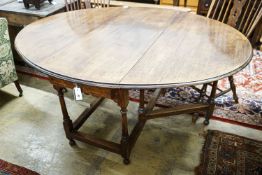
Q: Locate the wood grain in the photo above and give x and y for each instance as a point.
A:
(134, 48)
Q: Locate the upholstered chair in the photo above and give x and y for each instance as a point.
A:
(7, 68)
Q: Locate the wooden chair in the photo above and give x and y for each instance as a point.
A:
(100, 3)
(245, 16)
(72, 5)
(7, 67)
(83, 4)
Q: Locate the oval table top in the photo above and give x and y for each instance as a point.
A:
(133, 48)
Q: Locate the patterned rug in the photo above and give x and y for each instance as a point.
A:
(230, 154)
(7, 168)
(248, 112)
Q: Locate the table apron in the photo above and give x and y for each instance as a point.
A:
(88, 90)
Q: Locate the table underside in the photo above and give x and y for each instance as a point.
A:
(121, 98)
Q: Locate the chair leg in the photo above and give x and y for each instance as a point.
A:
(211, 102)
(18, 87)
(233, 88)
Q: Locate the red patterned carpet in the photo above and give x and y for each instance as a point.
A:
(249, 90)
(248, 112)
(7, 168)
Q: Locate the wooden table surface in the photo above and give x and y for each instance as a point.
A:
(133, 48)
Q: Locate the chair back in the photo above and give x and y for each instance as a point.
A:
(244, 15)
(77, 4)
(100, 3)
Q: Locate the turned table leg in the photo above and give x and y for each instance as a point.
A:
(67, 122)
(123, 102)
(211, 102)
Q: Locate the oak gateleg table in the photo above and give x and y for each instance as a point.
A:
(106, 52)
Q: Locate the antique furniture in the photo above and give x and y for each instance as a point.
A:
(77, 4)
(7, 68)
(244, 15)
(109, 51)
(203, 6)
(100, 3)
(17, 16)
(36, 3)
(82, 4)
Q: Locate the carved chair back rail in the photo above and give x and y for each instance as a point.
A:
(77, 4)
(100, 3)
(83, 4)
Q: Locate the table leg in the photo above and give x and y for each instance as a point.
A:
(140, 124)
(211, 102)
(233, 88)
(141, 108)
(121, 97)
(202, 93)
(123, 102)
(67, 122)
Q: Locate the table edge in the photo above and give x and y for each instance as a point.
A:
(133, 86)
(137, 86)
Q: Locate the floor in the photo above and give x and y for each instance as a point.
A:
(32, 135)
